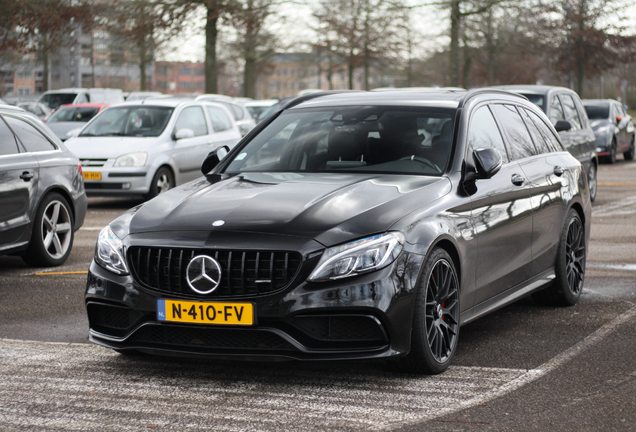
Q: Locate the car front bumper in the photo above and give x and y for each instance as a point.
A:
(369, 316)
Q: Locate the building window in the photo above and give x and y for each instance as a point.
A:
(199, 71)
(25, 75)
(184, 85)
(162, 85)
(185, 71)
(23, 91)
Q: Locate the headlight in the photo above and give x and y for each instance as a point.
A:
(358, 257)
(109, 252)
(132, 160)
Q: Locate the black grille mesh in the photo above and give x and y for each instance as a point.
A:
(340, 328)
(209, 338)
(112, 317)
(244, 273)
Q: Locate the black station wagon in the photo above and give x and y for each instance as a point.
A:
(350, 225)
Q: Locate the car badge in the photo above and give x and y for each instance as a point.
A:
(203, 274)
(218, 223)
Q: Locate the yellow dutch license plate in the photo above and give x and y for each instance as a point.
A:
(92, 175)
(205, 312)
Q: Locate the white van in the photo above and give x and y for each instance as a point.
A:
(56, 98)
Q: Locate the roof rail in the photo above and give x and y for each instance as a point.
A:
(300, 99)
(476, 92)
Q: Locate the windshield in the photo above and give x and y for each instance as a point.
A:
(351, 139)
(70, 114)
(597, 112)
(130, 121)
(56, 100)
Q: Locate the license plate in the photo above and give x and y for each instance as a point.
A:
(92, 175)
(205, 312)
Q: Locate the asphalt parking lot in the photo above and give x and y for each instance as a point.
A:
(525, 367)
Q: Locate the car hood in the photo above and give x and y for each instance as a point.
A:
(108, 147)
(327, 208)
(60, 129)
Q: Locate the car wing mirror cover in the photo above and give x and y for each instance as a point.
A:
(213, 158)
(562, 126)
(488, 161)
(184, 133)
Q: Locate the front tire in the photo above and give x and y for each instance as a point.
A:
(162, 181)
(52, 238)
(592, 181)
(612, 153)
(569, 267)
(435, 329)
(629, 154)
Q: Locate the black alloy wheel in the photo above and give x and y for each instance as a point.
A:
(436, 317)
(52, 238)
(612, 153)
(570, 266)
(629, 154)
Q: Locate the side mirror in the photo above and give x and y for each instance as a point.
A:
(213, 158)
(73, 133)
(563, 126)
(488, 162)
(183, 133)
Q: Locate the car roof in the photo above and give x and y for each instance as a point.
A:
(599, 101)
(11, 109)
(533, 89)
(171, 102)
(86, 105)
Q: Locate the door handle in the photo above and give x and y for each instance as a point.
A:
(558, 171)
(26, 176)
(517, 180)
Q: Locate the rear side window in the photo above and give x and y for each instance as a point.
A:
(521, 145)
(571, 114)
(539, 141)
(546, 132)
(31, 138)
(556, 110)
(192, 118)
(8, 144)
(220, 120)
(483, 133)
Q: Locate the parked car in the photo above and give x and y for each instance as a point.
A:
(613, 128)
(145, 148)
(566, 113)
(141, 95)
(69, 118)
(340, 231)
(257, 107)
(42, 193)
(40, 110)
(241, 115)
(73, 96)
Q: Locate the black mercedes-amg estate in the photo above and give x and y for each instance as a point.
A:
(350, 225)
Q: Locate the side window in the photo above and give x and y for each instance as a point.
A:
(546, 132)
(483, 132)
(521, 145)
(571, 114)
(539, 141)
(192, 118)
(31, 138)
(220, 120)
(556, 111)
(8, 144)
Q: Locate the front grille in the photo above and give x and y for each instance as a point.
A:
(208, 338)
(93, 162)
(243, 273)
(89, 185)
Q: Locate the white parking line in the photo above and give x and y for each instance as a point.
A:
(625, 206)
(85, 387)
(611, 266)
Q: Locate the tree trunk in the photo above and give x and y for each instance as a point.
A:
(453, 65)
(211, 33)
(45, 72)
(142, 66)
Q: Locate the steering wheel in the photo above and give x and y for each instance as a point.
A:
(424, 161)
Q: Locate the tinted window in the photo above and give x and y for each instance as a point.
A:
(483, 133)
(538, 139)
(192, 118)
(220, 120)
(546, 132)
(370, 139)
(8, 144)
(571, 114)
(556, 111)
(31, 138)
(536, 99)
(55, 100)
(597, 112)
(519, 140)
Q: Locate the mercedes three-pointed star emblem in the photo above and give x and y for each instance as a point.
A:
(203, 274)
